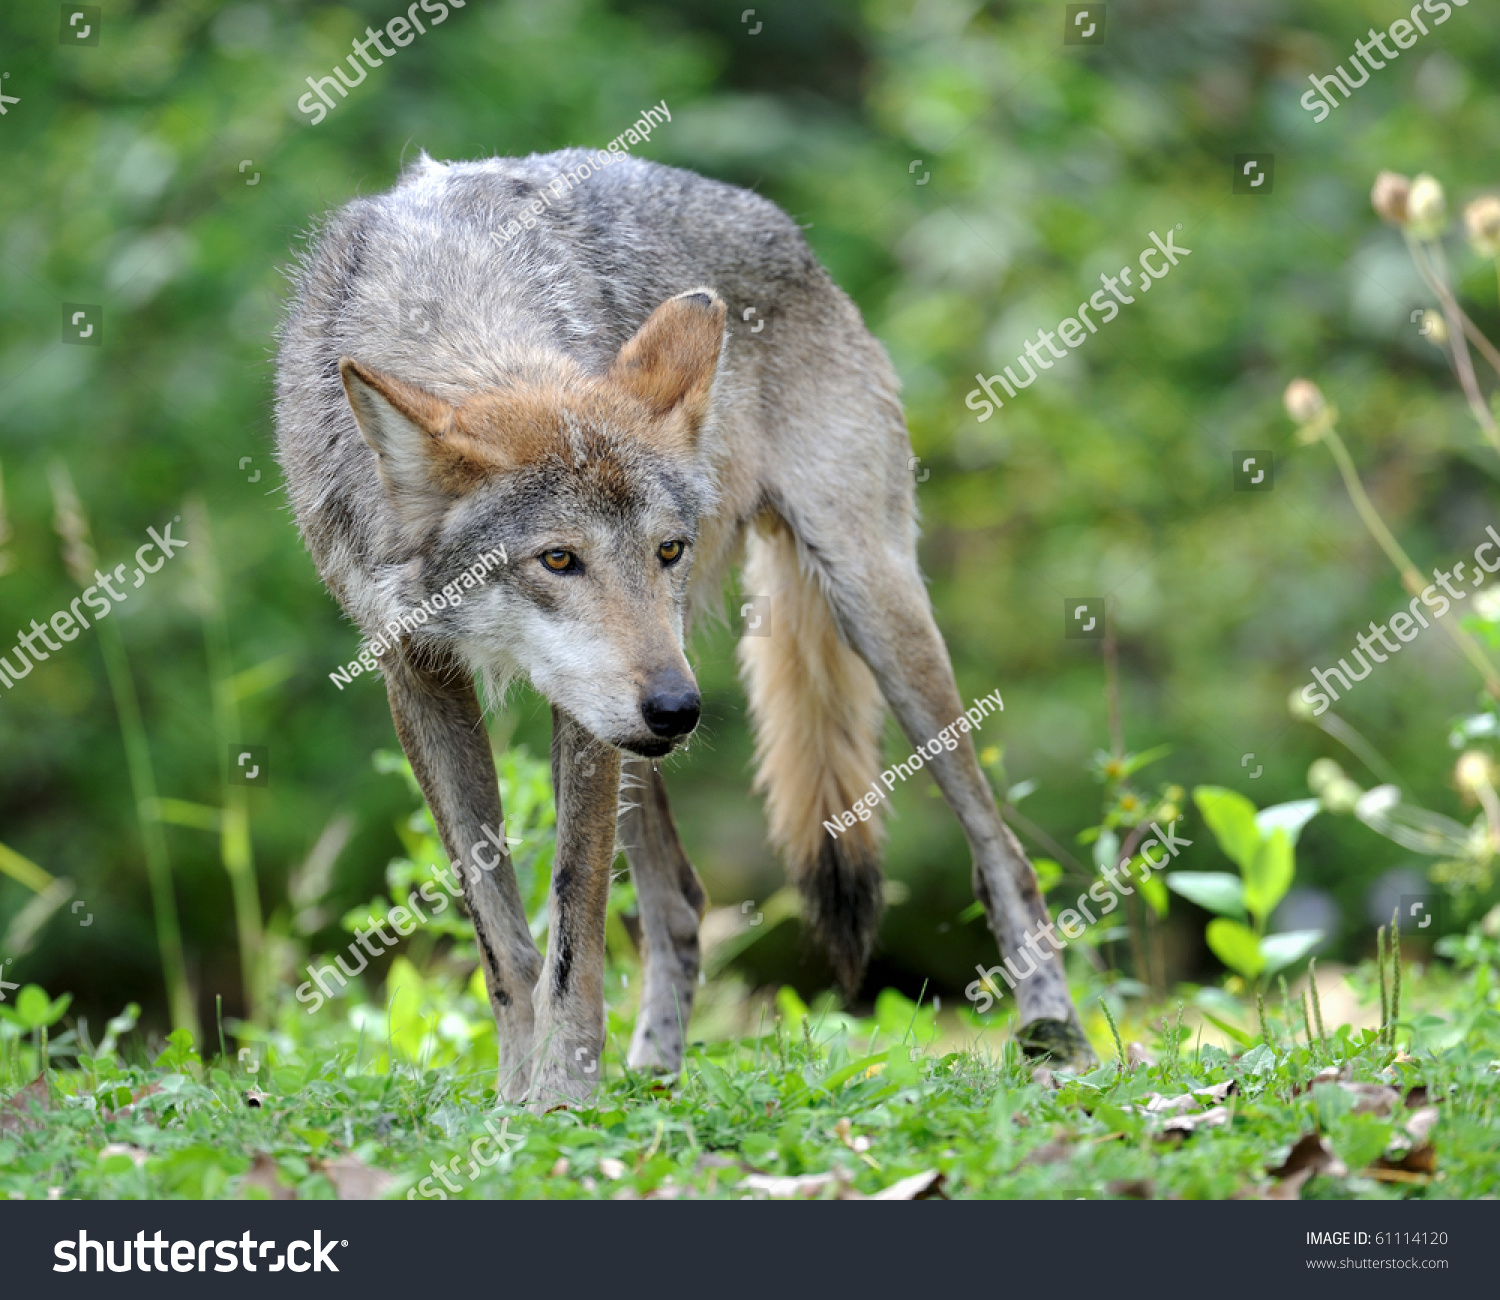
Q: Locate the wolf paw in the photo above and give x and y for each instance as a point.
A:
(1061, 1040)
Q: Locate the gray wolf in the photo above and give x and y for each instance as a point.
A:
(572, 395)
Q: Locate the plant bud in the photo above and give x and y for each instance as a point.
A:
(1389, 197)
(1491, 923)
(1303, 400)
(1482, 218)
(1341, 796)
(1474, 771)
(1323, 773)
(1487, 604)
(1426, 208)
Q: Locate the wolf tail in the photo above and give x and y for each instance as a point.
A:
(818, 714)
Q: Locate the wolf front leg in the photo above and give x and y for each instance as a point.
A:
(671, 901)
(570, 997)
(441, 728)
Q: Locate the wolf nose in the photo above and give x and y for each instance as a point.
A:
(672, 713)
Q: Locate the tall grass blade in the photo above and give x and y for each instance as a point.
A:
(79, 557)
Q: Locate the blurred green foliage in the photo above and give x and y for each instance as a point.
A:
(967, 178)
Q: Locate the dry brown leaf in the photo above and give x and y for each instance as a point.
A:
(1371, 1098)
(1135, 1189)
(1384, 1174)
(263, 1175)
(354, 1180)
(1156, 1104)
(1412, 1156)
(1421, 1122)
(1312, 1153)
(16, 1114)
(1420, 1159)
(919, 1187)
(1288, 1188)
(795, 1187)
(135, 1098)
(1210, 1118)
(1050, 1152)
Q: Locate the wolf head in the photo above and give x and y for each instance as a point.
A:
(591, 486)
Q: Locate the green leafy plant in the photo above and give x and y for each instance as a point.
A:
(1261, 844)
(530, 832)
(33, 1013)
(435, 1009)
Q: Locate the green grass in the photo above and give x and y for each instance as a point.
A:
(869, 1101)
(362, 1096)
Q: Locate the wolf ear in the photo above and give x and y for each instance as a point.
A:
(670, 363)
(406, 426)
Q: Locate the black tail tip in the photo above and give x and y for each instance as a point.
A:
(841, 906)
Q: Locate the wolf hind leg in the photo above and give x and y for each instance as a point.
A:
(441, 728)
(881, 603)
(672, 901)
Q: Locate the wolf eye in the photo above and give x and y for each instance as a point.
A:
(670, 552)
(559, 561)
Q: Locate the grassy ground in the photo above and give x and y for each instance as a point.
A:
(809, 1105)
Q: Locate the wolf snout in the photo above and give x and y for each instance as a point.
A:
(671, 708)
